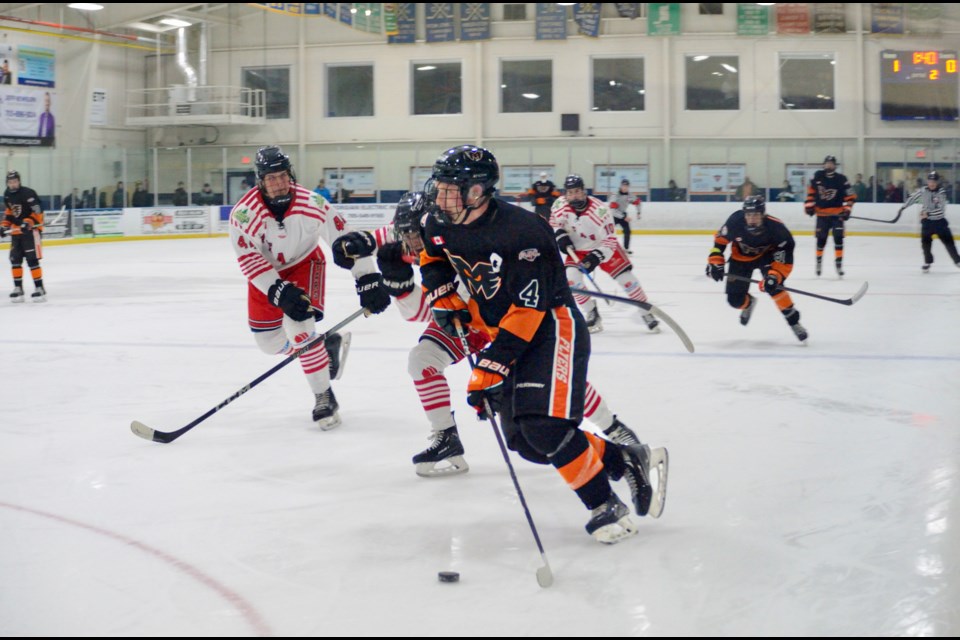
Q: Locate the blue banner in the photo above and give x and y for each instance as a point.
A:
(628, 9)
(551, 21)
(587, 17)
(474, 20)
(313, 9)
(406, 24)
(345, 16)
(330, 9)
(439, 22)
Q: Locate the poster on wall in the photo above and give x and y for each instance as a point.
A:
(98, 107)
(175, 220)
(360, 182)
(26, 117)
(607, 178)
(419, 177)
(516, 180)
(35, 67)
(716, 179)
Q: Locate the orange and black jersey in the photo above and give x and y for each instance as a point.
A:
(509, 260)
(22, 206)
(543, 193)
(773, 245)
(830, 195)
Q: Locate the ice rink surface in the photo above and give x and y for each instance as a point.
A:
(813, 490)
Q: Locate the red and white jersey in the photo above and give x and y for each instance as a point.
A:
(264, 248)
(589, 229)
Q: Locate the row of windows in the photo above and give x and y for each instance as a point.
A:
(526, 86)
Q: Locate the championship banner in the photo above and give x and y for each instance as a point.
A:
(439, 22)
(312, 9)
(551, 21)
(752, 19)
(587, 17)
(345, 16)
(886, 17)
(406, 32)
(829, 17)
(663, 19)
(925, 18)
(390, 18)
(793, 18)
(474, 20)
(26, 117)
(330, 9)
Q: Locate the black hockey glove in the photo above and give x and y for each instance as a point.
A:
(3, 232)
(291, 298)
(397, 273)
(348, 247)
(809, 209)
(772, 283)
(591, 261)
(447, 305)
(373, 297)
(486, 383)
(715, 271)
(845, 214)
(564, 242)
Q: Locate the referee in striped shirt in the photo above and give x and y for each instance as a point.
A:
(933, 221)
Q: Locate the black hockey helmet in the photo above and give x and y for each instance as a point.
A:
(755, 204)
(625, 182)
(13, 175)
(271, 160)
(933, 175)
(465, 166)
(832, 159)
(573, 181)
(408, 220)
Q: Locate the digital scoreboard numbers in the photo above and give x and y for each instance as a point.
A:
(919, 85)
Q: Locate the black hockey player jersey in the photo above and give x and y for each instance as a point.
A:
(829, 195)
(772, 245)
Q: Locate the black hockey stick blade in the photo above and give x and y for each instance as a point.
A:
(899, 213)
(844, 301)
(583, 270)
(646, 306)
(147, 433)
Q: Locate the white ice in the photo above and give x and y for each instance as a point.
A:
(814, 490)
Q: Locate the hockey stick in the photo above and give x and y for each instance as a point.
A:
(847, 301)
(576, 260)
(899, 213)
(147, 433)
(646, 306)
(544, 574)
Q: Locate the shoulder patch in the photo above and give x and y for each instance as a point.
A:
(529, 254)
(242, 215)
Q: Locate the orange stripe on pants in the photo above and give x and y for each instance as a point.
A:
(582, 470)
(561, 384)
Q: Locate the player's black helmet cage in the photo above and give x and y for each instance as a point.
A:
(272, 159)
(13, 175)
(465, 166)
(933, 175)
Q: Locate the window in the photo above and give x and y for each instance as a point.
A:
(526, 86)
(618, 84)
(807, 81)
(514, 12)
(711, 8)
(275, 81)
(436, 88)
(349, 91)
(713, 83)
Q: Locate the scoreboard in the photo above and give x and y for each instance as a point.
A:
(919, 85)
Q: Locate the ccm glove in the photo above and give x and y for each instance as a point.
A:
(373, 296)
(773, 283)
(715, 265)
(291, 298)
(486, 383)
(591, 261)
(350, 246)
(397, 272)
(446, 305)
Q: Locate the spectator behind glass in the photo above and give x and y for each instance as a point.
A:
(674, 193)
(860, 189)
(786, 194)
(322, 190)
(745, 190)
(119, 197)
(180, 196)
(206, 195)
(73, 201)
(140, 196)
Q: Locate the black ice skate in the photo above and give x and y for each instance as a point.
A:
(748, 311)
(610, 522)
(325, 410)
(839, 263)
(819, 265)
(445, 448)
(800, 332)
(338, 346)
(640, 463)
(39, 294)
(17, 295)
(621, 433)
(594, 324)
(926, 268)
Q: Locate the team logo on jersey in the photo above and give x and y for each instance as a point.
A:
(482, 277)
(242, 216)
(749, 250)
(529, 254)
(826, 194)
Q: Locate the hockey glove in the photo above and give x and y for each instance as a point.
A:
(446, 305)
(291, 298)
(3, 232)
(373, 296)
(486, 383)
(845, 214)
(348, 247)
(397, 273)
(591, 261)
(773, 283)
(564, 242)
(715, 265)
(809, 209)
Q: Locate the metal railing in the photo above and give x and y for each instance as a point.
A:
(181, 104)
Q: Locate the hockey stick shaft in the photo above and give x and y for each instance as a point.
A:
(147, 433)
(844, 301)
(573, 256)
(897, 217)
(646, 306)
(544, 573)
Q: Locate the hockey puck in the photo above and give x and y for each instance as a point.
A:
(448, 576)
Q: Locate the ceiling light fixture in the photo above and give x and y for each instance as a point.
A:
(85, 6)
(175, 22)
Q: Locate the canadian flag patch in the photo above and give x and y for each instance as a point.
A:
(437, 240)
